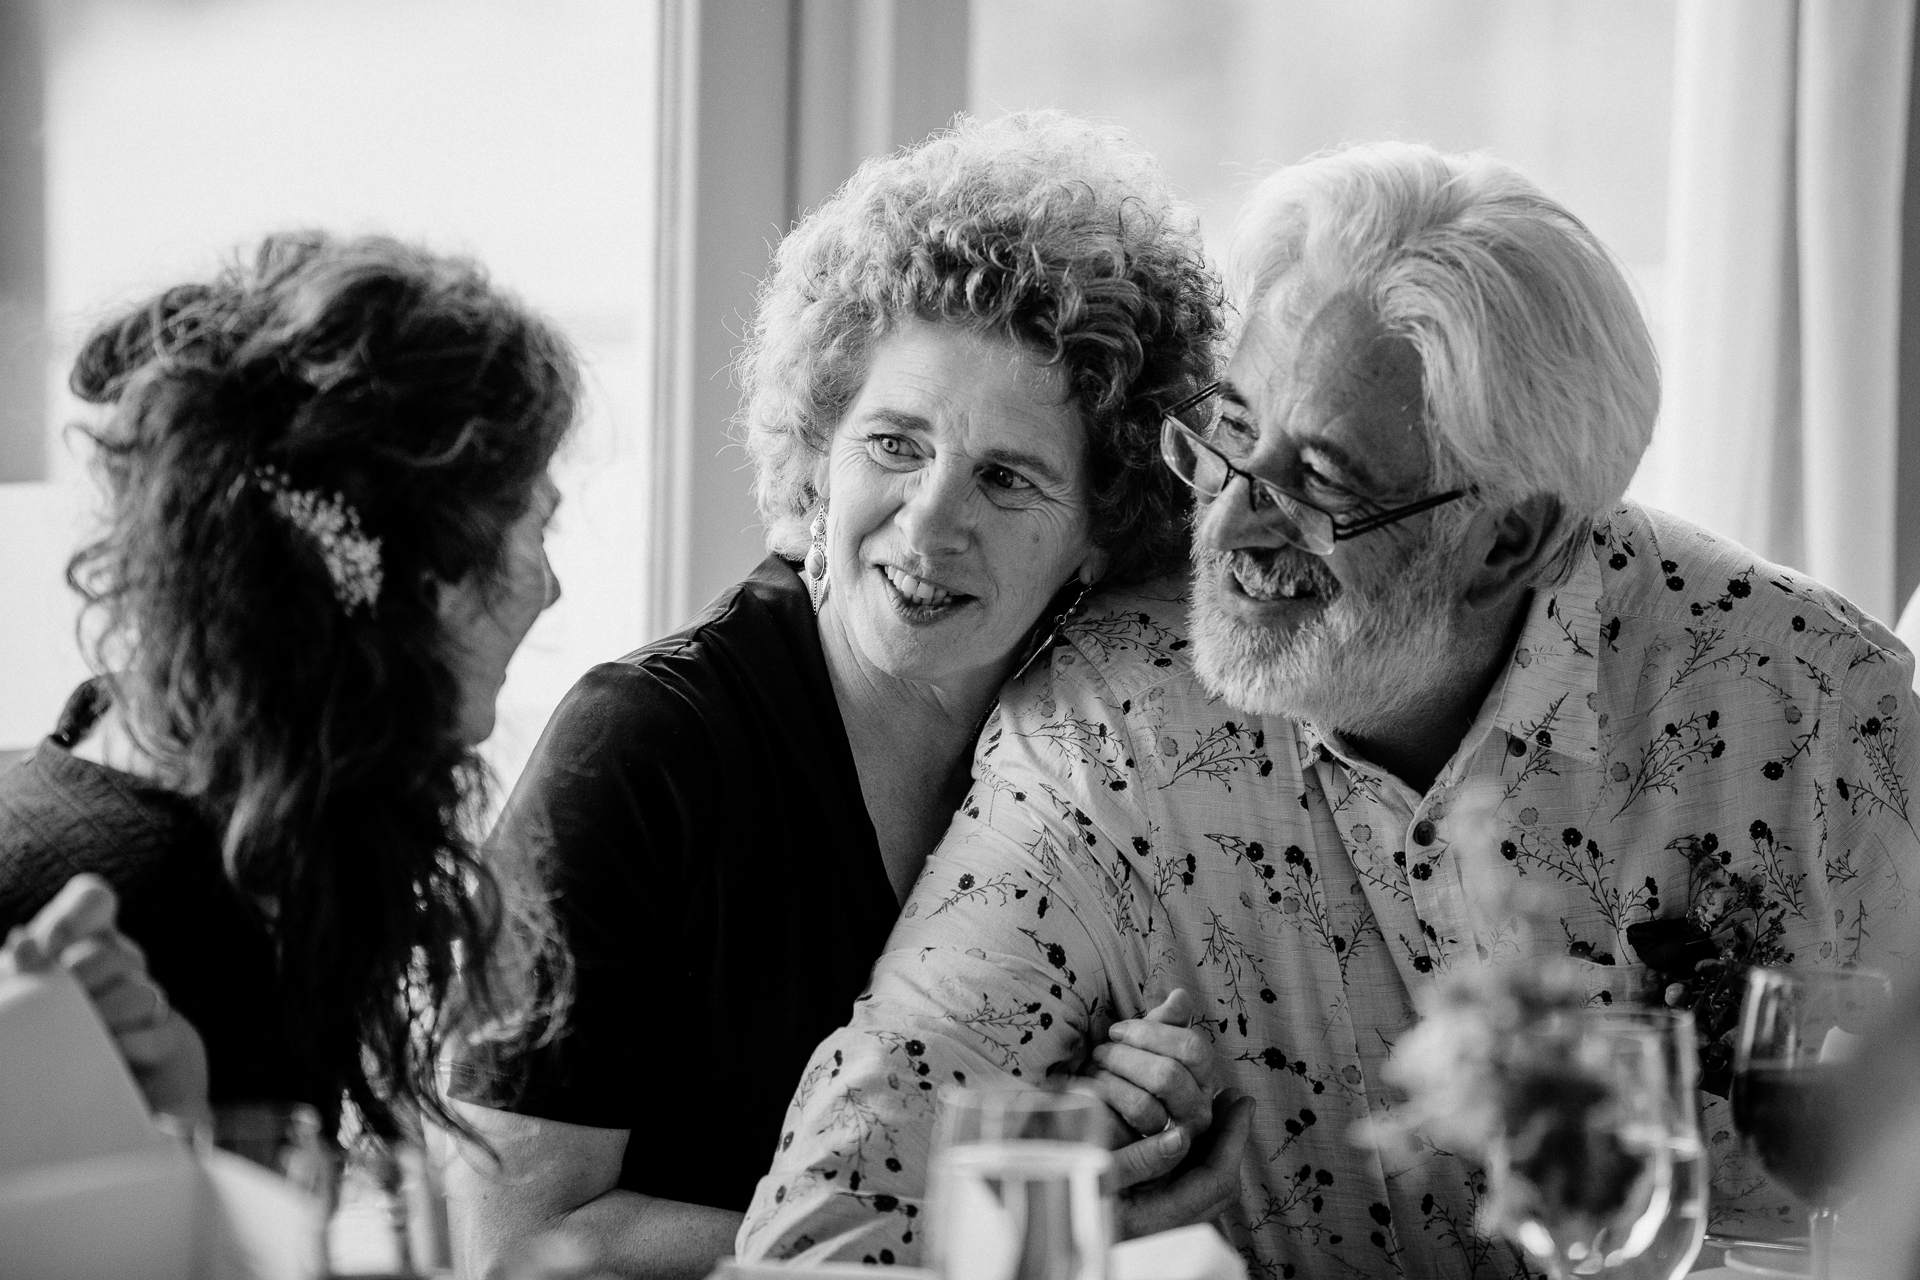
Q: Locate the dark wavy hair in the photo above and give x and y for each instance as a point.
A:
(319, 739)
(1038, 227)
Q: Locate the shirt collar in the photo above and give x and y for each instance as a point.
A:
(1553, 671)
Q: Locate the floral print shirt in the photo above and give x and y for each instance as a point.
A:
(1128, 834)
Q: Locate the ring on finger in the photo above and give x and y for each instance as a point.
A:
(159, 1013)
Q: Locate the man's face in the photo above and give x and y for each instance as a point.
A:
(1322, 401)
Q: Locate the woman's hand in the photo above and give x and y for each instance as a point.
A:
(76, 931)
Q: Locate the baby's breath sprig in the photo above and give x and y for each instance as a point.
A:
(333, 526)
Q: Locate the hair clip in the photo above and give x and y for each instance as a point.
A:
(352, 558)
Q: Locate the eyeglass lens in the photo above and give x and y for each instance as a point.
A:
(1207, 472)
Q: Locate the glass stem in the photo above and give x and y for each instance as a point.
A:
(1820, 1243)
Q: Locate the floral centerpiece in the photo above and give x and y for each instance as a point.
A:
(1501, 1069)
(1699, 960)
(1512, 1066)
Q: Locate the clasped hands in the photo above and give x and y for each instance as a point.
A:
(1177, 1137)
(1177, 1134)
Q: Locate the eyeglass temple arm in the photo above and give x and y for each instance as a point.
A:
(1368, 524)
(1211, 389)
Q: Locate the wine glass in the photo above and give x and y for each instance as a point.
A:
(1799, 1031)
(1583, 1167)
(1020, 1185)
(1676, 1242)
(286, 1137)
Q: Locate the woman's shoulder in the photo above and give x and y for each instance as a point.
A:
(1128, 638)
(750, 657)
(60, 815)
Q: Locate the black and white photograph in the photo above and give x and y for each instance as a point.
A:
(967, 639)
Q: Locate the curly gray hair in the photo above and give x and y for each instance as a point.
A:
(1038, 227)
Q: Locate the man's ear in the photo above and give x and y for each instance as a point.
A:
(1520, 537)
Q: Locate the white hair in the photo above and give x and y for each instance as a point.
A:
(1539, 373)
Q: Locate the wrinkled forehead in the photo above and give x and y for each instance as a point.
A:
(1307, 340)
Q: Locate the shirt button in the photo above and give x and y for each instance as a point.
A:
(1423, 833)
(1516, 746)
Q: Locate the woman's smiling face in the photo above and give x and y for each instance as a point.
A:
(958, 503)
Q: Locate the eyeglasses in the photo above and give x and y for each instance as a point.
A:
(1207, 471)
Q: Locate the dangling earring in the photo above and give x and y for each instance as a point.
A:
(1047, 633)
(816, 562)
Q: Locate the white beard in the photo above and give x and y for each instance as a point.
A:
(1361, 665)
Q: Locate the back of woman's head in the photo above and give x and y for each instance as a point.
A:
(301, 455)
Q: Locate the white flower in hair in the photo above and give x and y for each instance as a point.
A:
(352, 558)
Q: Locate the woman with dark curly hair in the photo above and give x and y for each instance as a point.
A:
(327, 491)
(953, 393)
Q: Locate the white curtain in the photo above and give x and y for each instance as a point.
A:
(1783, 251)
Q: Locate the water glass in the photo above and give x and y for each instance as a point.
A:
(1020, 1186)
(1676, 1242)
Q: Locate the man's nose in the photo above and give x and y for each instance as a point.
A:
(935, 518)
(1228, 522)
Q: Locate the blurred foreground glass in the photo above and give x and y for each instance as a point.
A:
(1799, 1033)
(1020, 1186)
(389, 1216)
(282, 1136)
(383, 1210)
(1676, 1242)
(1584, 1168)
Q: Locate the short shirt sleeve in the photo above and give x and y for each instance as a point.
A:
(602, 824)
(1005, 965)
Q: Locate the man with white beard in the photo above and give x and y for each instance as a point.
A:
(1429, 646)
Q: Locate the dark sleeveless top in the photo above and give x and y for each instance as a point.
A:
(695, 811)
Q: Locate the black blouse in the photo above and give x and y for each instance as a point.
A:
(696, 814)
(206, 946)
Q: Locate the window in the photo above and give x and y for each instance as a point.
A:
(175, 132)
(1577, 95)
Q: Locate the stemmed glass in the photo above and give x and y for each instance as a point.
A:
(1676, 1242)
(1583, 1169)
(1799, 1030)
(1020, 1186)
(378, 1204)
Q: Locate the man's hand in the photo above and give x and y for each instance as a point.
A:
(76, 931)
(1199, 1192)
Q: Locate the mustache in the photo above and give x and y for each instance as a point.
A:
(1264, 569)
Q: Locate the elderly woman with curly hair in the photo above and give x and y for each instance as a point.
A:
(953, 396)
